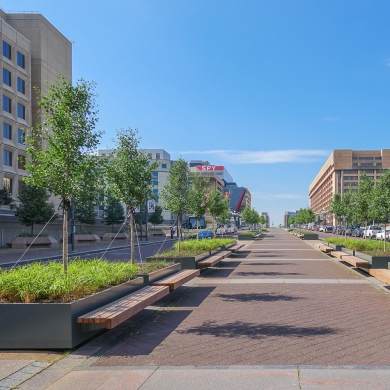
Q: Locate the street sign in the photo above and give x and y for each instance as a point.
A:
(137, 209)
(151, 206)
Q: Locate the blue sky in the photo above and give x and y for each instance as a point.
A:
(267, 88)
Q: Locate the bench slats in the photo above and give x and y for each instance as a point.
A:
(326, 249)
(178, 279)
(235, 248)
(339, 254)
(211, 261)
(356, 262)
(120, 310)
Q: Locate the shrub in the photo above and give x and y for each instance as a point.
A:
(370, 247)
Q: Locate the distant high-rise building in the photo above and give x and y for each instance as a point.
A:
(286, 217)
(266, 216)
(34, 52)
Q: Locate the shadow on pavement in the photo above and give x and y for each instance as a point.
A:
(261, 264)
(257, 297)
(253, 273)
(256, 331)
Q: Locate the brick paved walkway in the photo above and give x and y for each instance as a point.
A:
(279, 314)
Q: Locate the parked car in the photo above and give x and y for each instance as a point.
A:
(358, 232)
(350, 230)
(372, 230)
(381, 235)
(328, 229)
(205, 234)
(322, 228)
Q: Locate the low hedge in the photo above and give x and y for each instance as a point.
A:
(370, 247)
(308, 233)
(47, 282)
(249, 233)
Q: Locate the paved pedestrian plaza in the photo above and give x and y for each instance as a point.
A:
(279, 314)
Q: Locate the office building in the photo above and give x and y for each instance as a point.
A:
(266, 216)
(239, 197)
(34, 52)
(286, 217)
(340, 173)
(219, 170)
(159, 178)
(215, 182)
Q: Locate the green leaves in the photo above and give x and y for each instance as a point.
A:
(198, 195)
(5, 197)
(251, 216)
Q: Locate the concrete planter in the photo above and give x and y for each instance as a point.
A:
(189, 262)
(160, 274)
(54, 325)
(245, 237)
(86, 237)
(339, 248)
(225, 247)
(375, 261)
(112, 236)
(310, 237)
(349, 251)
(24, 242)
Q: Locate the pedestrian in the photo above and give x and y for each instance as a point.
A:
(173, 229)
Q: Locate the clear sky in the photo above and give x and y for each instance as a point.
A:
(267, 88)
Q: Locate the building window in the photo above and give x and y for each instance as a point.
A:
(367, 170)
(355, 164)
(6, 104)
(155, 182)
(6, 50)
(7, 158)
(7, 131)
(157, 156)
(366, 164)
(350, 184)
(21, 136)
(6, 77)
(351, 178)
(378, 164)
(366, 158)
(7, 184)
(21, 60)
(378, 158)
(150, 155)
(155, 191)
(350, 171)
(21, 86)
(354, 158)
(21, 162)
(156, 200)
(21, 111)
(155, 175)
(163, 165)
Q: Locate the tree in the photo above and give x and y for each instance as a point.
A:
(381, 201)
(263, 221)
(156, 218)
(363, 199)
(250, 216)
(336, 207)
(113, 212)
(216, 205)
(129, 175)
(198, 197)
(225, 215)
(84, 212)
(34, 207)
(5, 197)
(348, 208)
(62, 149)
(291, 220)
(176, 192)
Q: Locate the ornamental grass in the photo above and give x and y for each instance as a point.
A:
(191, 248)
(47, 282)
(370, 247)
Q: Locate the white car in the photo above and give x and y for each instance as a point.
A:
(381, 235)
(321, 229)
(372, 231)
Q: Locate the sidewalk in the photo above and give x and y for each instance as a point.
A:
(277, 315)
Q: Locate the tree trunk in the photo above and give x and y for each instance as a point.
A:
(179, 232)
(365, 230)
(32, 230)
(65, 237)
(132, 237)
(197, 229)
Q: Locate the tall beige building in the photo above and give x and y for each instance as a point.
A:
(341, 172)
(34, 52)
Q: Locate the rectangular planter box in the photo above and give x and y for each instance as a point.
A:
(245, 238)
(149, 279)
(186, 262)
(310, 237)
(54, 325)
(339, 248)
(349, 251)
(375, 261)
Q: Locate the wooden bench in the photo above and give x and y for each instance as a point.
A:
(339, 254)
(381, 274)
(120, 310)
(325, 249)
(356, 262)
(235, 248)
(211, 261)
(178, 279)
